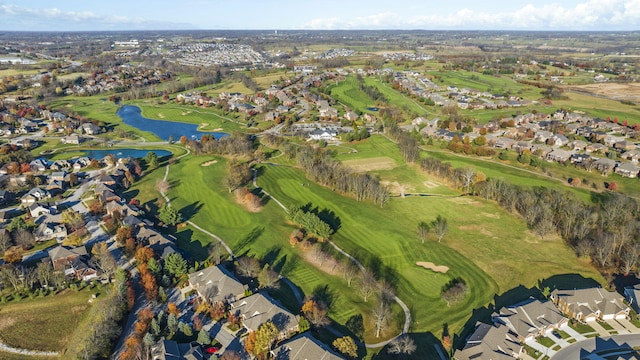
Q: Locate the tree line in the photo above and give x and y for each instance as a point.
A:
(606, 231)
(322, 169)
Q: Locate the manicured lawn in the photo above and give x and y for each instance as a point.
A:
(211, 118)
(44, 324)
(545, 341)
(582, 328)
(606, 325)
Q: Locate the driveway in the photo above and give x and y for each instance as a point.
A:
(597, 327)
(541, 348)
(574, 334)
(629, 326)
(583, 349)
(617, 327)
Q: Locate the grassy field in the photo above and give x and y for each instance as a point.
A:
(211, 118)
(10, 356)
(55, 319)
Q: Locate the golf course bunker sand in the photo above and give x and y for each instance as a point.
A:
(431, 266)
(160, 116)
(209, 163)
(371, 164)
(430, 184)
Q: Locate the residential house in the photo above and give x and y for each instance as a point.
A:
(108, 195)
(90, 129)
(171, 350)
(304, 347)
(39, 165)
(258, 309)
(59, 165)
(50, 230)
(632, 295)
(107, 180)
(627, 169)
(595, 147)
(633, 155)
(580, 158)
(496, 342)
(578, 145)
(5, 196)
(504, 143)
(81, 163)
(216, 283)
(624, 145)
(133, 222)
(38, 209)
(73, 139)
(34, 195)
(530, 319)
(604, 165)
(559, 155)
(72, 262)
(590, 304)
(161, 245)
(351, 116)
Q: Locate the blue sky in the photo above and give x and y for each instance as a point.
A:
(75, 15)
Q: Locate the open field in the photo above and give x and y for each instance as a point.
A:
(371, 164)
(396, 98)
(54, 317)
(211, 118)
(11, 356)
(626, 91)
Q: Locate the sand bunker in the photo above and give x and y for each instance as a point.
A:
(160, 116)
(209, 163)
(431, 266)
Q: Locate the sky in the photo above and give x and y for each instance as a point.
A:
(100, 15)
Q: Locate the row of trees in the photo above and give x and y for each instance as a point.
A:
(236, 144)
(607, 231)
(321, 168)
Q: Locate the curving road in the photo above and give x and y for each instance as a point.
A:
(584, 348)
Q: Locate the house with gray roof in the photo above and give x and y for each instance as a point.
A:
(214, 284)
(531, 318)
(171, 350)
(304, 347)
(627, 169)
(632, 295)
(496, 342)
(590, 304)
(258, 308)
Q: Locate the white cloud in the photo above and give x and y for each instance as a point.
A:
(24, 18)
(588, 15)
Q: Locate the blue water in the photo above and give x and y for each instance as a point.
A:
(372, 109)
(123, 153)
(132, 115)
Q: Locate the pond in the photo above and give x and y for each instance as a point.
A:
(132, 115)
(123, 153)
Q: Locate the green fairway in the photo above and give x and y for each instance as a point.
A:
(211, 118)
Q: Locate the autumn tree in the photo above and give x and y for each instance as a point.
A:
(316, 312)
(144, 254)
(266, 334)
(104, 260)
(238, 174)
(73, 219)
(13, 255)
(367, 285)
(346, 346)
(173, 309)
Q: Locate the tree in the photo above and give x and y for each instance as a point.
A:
(144, 254)
(402, 345)
(316, 313)
(151, 159)
(162, 186)
(367, 285)
(423, 230)
(17, 223)
(73, 219)
(13, 255)
(248, 266)
(381, 314)
(169, 215)
(124, 233)
(268, 278)
(173, 309)
(238, 174)
(230, 355)
(203, 337)
(175, 265)
(346, 346)
(24, 238)
(440, 227)
(349, 271)
(265, 336)
(454, 291)
(44, 273)
(5, 240)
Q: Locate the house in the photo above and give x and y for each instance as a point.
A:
(160, 244)
(107, 180)
(595, 147)
(90, 129)
(59, 165)
(303, 347)
(5, 196)
(632, 295)
(258, 309)
(215, 284)
(633, 155)
(133, 222)
(81, 163)
(34, 195)
(171, 350)
(559, 155)
(578, 145)
(38, 209)
(624, 145)
(604, 165)
(497, 342)
(627, 169)
(49, 230)
(72, 262)
(530, 319)
(351, 116)
(73, 139)
(590, 304)
(504, 143)
(323, 134)
(38, 165)
(108, 195)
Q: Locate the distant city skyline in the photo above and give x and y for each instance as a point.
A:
(75, 15)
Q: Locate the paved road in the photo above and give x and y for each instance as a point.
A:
(582, 349)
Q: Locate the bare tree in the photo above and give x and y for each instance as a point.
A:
(268, 278)
(104, 260)
(402, 345)
(248, 266)
(440, 227)
(630, 257)
(381, 314)
(24, 238)
(44, 272)
(10, 275)
(367, 285)
(349, 271)
(162, 186)
(423, 231)
(5, 240)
